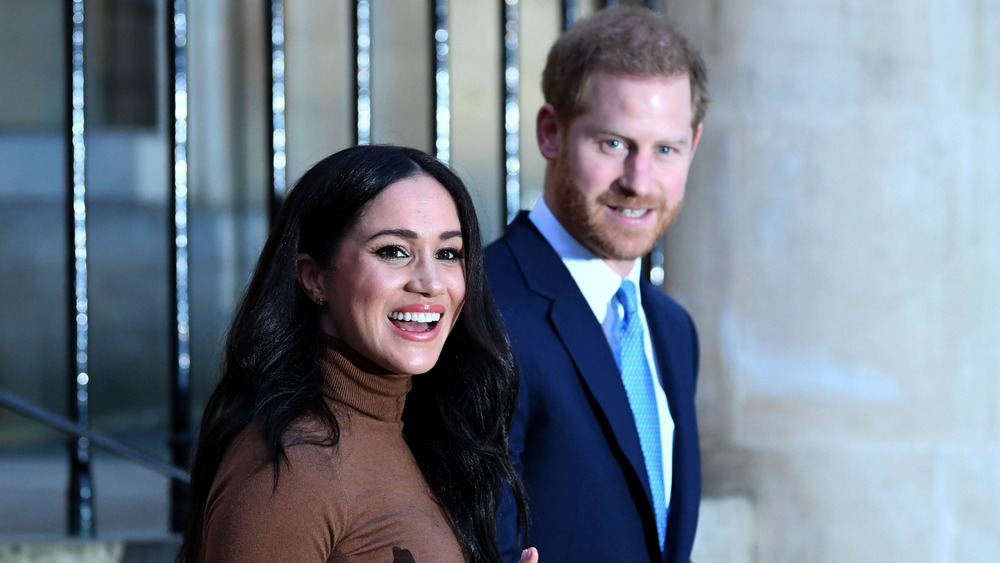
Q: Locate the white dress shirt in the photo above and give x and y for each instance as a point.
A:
(599, 284)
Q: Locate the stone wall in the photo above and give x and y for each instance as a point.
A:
(839, 252)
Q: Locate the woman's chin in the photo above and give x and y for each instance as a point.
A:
(414, 360)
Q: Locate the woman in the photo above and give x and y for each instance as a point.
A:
(318, 444)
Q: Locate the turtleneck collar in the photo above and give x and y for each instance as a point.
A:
(362, 385)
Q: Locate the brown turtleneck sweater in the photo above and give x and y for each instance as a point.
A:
(363, 499)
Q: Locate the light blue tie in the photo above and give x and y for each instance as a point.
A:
(638, 381)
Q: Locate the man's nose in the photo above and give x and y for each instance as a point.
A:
(637, 177)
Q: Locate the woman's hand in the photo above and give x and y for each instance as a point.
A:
(529, 555)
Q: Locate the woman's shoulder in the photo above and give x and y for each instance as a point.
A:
(248, 459)
(307, 502)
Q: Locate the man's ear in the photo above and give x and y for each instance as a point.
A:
(694, 140)
(548, 130)
(310, 276)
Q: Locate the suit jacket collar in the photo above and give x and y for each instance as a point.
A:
(574, 322)
(675, 389)
(658, 326)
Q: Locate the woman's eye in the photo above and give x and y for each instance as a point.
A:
(391, 253)
(449, 254)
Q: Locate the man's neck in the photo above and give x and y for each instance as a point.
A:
(621, 267)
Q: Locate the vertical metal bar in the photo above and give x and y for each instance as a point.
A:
(511, 109)
(80, 517)
(442, 82)
(655, 263)
(570, 12)
(180, 389)
(276, 50)
(362, 71)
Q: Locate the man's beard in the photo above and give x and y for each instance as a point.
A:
(607, 241)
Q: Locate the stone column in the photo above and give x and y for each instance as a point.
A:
(840, 252)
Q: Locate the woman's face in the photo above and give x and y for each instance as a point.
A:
(397, 283)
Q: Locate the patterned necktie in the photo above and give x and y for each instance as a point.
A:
(638, 381)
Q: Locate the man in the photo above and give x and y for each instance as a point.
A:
(606, 402)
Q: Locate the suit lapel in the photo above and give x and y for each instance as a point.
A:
(583, 338)
(659, 337)
(673, 387)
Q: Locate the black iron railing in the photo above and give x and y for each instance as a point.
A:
(180, 337)
(81, 489)
(81, 520)
(77, 432)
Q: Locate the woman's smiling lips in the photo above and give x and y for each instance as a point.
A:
(417, 322)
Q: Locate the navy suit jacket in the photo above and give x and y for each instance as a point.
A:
(573, 436)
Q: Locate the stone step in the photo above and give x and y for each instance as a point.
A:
(64, 550)
(130, 501)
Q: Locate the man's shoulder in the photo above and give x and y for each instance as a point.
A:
(653, 296)
(656, 301)
(499, 260)
(519, 227)
(521, 246)
(524, 275)
(497, 250)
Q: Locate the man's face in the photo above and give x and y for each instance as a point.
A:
(616, 172)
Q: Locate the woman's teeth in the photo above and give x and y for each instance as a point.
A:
(415, 317)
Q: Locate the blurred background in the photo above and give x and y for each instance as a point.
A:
(838, 249)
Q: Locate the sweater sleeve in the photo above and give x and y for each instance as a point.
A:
(247, 519)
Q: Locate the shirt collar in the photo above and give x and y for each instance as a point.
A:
(596, 280)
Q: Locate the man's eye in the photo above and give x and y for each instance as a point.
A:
(449, 254)
(613, 143)
(666, 150)
(391, 253)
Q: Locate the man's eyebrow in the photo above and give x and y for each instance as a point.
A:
(411, 235)
(679, 141)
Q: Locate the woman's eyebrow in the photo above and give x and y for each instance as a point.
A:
(412, 235)
(402, 233)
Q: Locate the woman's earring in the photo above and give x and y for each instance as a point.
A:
(320, 302)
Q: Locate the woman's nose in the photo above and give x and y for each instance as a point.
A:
(425, 279)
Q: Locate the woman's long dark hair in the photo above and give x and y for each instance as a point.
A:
(457, 416)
